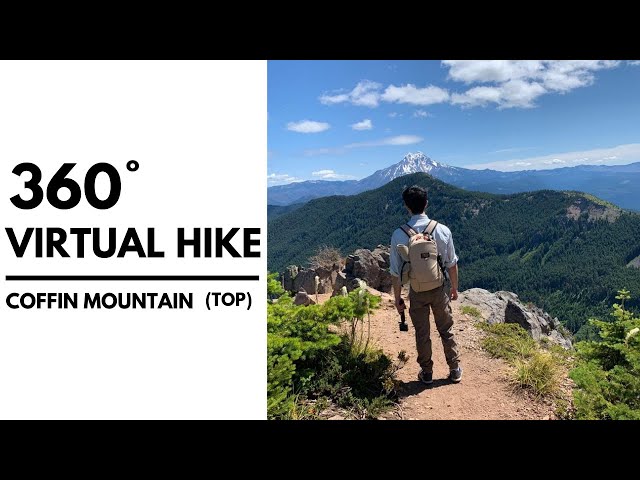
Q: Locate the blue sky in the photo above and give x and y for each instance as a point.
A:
(337, 120)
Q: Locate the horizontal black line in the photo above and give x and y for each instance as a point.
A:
(130, 278)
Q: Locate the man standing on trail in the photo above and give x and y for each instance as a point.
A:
(421, 250)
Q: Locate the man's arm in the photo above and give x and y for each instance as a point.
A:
(453, 277)
(451, 264)
(394, 269)
(397, 293)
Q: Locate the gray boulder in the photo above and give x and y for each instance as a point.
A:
(303, 298)
(290, 273)
(371, 266)
(341, 281)
(505, 307)
(490, 305)
(365, 266)
(296, 278)
(305, 280)
(328, 277)
(382, 254)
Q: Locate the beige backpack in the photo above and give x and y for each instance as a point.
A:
(421, 264)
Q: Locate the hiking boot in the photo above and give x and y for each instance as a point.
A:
(425, 377)
(455, 375)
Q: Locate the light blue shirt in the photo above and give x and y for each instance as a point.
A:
(442, 235)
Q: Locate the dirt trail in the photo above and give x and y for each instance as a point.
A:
(484, 392)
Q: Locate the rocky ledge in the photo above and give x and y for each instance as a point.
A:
(370, 266)
(506, 307)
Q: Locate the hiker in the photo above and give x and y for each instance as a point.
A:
(421, 251)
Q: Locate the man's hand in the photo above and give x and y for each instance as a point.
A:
(400, 306)
(454, 294)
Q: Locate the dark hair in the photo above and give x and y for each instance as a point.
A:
(415, 198)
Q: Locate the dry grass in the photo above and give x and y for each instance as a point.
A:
(539, 373)
(534, 368)
(325, 257)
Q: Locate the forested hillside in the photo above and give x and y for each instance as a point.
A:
(564, 251)
(274, 211)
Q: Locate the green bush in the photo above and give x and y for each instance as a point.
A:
(358, 381)
(608, 372)
(307, 361)
(274, 288)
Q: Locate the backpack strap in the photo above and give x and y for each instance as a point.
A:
(431, 226)
(408, 230)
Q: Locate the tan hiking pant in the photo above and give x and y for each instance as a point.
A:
(419, 303)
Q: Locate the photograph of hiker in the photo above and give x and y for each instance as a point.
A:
(453, 240)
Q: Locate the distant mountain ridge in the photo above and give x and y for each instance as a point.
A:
(567, 252)
(619, 184)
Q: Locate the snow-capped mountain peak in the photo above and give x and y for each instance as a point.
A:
(411, 163)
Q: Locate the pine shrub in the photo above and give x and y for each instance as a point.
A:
(608, 372)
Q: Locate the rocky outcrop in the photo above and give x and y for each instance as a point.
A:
(594, 210)
(296, 278)
(635, 263)
(306, 280)
(370, 266)
(505, 307)
(290, 273)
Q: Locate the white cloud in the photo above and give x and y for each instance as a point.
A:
(475, 71)
(421, 114)
(363, 125)
(281, 179)
(514, 93)
(330, 175)
(397, 140)
(518, 83)
(369, 94)
(477, 96)
(388, 141)
(504, 83)
(394, 115)
(308, 126)
(333, 99)
(366, 93)
(618, 155)
(414, 95)
(635, 63)
(312, 152)
(510, 150)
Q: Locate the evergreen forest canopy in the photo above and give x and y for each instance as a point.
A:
(566, 252)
